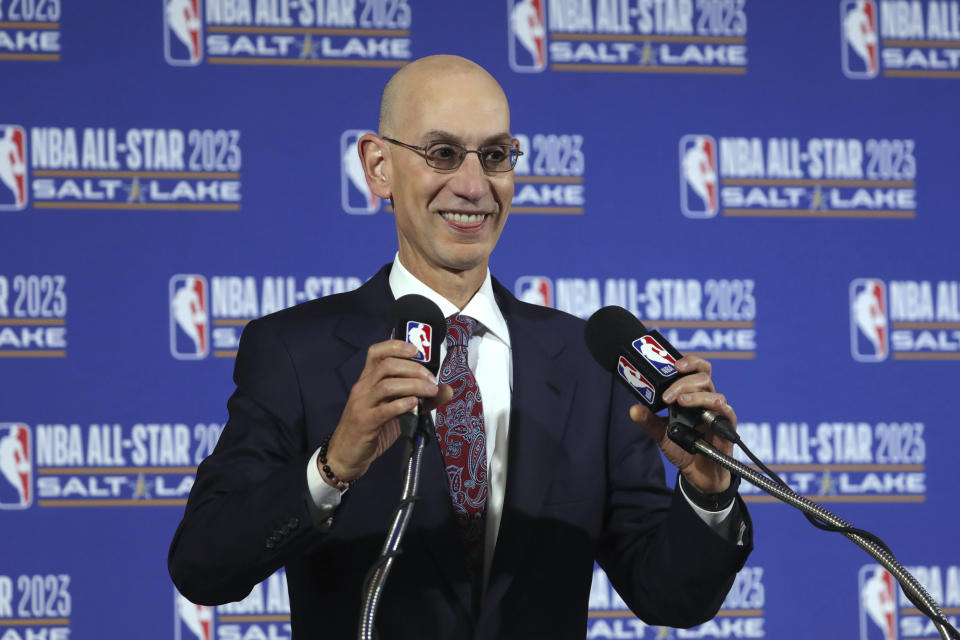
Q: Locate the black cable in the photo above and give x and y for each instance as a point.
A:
(376, 576)
(380, 561)
(383, 557)
(921, 605)
(820, 524)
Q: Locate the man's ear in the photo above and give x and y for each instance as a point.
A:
(375, 158)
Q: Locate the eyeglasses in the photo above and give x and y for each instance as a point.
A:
(448, 156)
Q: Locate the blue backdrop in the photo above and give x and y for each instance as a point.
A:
(767, 183)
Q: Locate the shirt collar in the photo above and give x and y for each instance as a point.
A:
(482, 307)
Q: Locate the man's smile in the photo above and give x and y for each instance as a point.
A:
(465, 220)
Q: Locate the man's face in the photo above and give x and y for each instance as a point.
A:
(449, 220)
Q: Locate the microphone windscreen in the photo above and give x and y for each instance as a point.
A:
(419, 321)
(609, 332)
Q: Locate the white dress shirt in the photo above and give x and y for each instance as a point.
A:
(490, 358)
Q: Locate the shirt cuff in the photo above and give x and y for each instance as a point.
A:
(716, 520)
(325, 497)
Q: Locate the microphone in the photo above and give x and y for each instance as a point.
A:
(419, 321)
(645, 362)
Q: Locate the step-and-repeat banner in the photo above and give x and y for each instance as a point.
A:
(770, 184)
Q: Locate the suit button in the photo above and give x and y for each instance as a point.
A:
(283, 530)
(293, 523)
(269, 543)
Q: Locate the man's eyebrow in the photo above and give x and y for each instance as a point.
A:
(438, 134)
(500, 138)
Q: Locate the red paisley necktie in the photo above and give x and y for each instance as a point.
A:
(462, 439)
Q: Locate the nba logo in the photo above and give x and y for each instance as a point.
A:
(191, 621)
(13, 167)
(16, 468)
(878, 604)
(535, 290)
(355, 194)
(698, 176)
(189, 320)
(636, 380)
(182, 32)
(527, 28)
(868, 320)
(655, 354)
(419, 335)
(859, 44)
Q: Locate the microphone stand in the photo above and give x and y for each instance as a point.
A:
(417, 429)
(681, 430)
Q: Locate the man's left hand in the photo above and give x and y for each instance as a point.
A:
(693, 390)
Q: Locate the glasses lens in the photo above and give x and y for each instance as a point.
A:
(498, 157)
(443, 155)
(448, 156)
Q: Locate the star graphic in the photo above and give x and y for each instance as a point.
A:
(648, 54)
(826, 484)
(307, 48)
(816, 199)
(141, 491)
(134, 191)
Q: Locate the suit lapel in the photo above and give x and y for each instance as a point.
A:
(542, 393)
(436, 529)
(363, 324)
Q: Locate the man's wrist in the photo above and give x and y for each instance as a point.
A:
(324, 498)
(710, 501)
(326, 471)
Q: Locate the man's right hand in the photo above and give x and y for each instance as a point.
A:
(389, 386)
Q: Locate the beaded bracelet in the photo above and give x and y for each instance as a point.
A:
(322, 456)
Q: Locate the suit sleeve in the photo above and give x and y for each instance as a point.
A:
(670, 567)
(250, 510)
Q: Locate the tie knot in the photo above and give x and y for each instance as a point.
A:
(459, 330)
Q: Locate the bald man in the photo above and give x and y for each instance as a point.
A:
(306, 474)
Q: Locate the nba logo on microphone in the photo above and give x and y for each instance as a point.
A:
(527, 35)
(16, 466)
(869, 332)
(636, 380)
(182, 32)
(699, 187)
(860, 45)
(878, 604)
(535, 290)
(419, 335)
(189, 317)
(355, 194)
(654, 353)
(13, 167)
(191, 621)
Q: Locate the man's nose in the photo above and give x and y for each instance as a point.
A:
(470, 180)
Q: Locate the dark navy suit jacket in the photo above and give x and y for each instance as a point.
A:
(583, 483)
